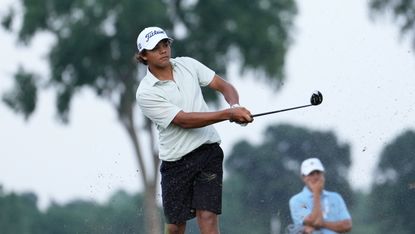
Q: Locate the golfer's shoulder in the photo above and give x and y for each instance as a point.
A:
(184, 61)
(299, 197)
(146, 83)
(333, 194)
(146, 88)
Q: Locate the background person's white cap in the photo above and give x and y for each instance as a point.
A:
(149, 37)
(310, 165)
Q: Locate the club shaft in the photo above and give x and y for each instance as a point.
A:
(276, 111)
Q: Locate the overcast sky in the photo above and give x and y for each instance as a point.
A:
(365, 71)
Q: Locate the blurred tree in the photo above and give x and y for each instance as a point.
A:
(126, 213)
(262, 178)
(22, 98)
(392, 199)
(362, 222)
(19, 213)
(121, 214)
(402, 12)
(75, 217)
(95, 44)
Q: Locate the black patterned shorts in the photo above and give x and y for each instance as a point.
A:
(192, 183)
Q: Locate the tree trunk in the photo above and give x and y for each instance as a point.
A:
(149, 170)
(151, 211)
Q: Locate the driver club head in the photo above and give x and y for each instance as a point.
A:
(316, 98)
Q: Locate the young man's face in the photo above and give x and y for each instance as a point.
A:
(160, 55)
(315, 178)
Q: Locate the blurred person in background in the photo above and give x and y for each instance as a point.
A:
(315, 210)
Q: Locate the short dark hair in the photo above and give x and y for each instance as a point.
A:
(139, 58)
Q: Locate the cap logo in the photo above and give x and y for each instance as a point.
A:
(153, 33)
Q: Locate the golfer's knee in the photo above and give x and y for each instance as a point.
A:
(175, 228)
(207, 217)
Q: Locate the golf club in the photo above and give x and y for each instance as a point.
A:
(316, 99)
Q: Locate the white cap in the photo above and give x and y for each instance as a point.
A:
(149, 37)
(310, 165)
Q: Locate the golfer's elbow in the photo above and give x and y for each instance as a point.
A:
(345, 226)
(180, 122)
(192, 120)
(183, 124)
(342, 226)
(348, 225)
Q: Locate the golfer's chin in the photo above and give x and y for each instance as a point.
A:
(165, 58)
(163, 62)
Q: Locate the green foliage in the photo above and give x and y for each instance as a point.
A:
(360, 213)
(22, 97)
(402, 12)
(95, 40)
(121, 214)
(255, 34)
(262, 178)
(259, 30)
(94, 46)
(18, 213)
(393, 197)
(7, 20)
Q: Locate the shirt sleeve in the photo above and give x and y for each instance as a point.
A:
(157, 108)
(299, 210)
(343, 211)
(204, 74)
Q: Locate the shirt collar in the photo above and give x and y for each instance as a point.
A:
(308, 192)
(153, 79)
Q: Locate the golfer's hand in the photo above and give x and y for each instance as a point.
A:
(318, 223)
(308, 229)
(316, 186)
(240, 115)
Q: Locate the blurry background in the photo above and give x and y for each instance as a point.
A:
(82, 161)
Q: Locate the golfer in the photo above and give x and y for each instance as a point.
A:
(170, 95)
(315, 209)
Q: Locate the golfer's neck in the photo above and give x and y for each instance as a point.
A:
(162, 73)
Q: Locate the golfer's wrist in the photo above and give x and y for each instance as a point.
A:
(235, 105)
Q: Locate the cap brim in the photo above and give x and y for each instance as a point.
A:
(309, 172)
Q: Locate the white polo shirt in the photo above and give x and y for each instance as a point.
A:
(161, 101)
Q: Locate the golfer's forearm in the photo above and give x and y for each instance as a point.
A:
(316, 214)
(231, 95)
(201, 119)
(339, 226)
(228, 90)
(312, 220)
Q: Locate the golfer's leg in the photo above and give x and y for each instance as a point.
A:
(208, 222)
(176, 228)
